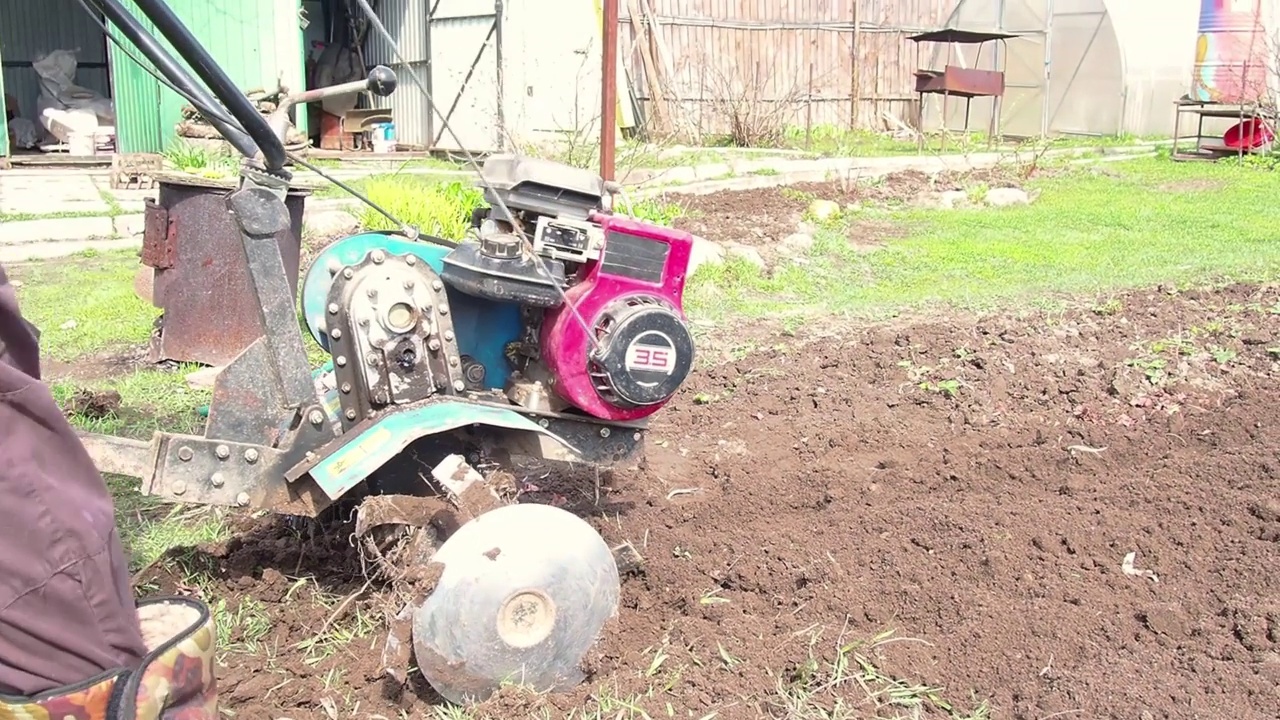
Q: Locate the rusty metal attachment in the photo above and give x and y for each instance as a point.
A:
(201, 277)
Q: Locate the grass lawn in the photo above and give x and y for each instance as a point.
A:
(1092, 231)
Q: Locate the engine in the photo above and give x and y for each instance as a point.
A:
(604, 330)
(589, 321)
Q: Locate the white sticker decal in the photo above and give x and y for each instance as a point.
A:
(651, 356)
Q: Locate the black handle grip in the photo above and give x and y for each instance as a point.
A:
(382, 81)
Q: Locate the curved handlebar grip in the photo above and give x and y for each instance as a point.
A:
(382, 81)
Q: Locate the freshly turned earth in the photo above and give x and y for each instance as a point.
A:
(971, 484)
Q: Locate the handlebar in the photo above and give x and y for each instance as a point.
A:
(381, 82)
(248, 131)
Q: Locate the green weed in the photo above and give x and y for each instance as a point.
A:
(442, 209)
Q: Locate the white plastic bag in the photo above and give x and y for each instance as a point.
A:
(59, 92)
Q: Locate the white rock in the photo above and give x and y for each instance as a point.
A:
(951, 199)
(330, 223)
(823, 209)
(1003, 197)
(704, 251)
(746, 253)
(129, 225)
(203, 378)
(796, 243)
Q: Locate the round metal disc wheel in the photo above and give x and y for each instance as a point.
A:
(524, 594)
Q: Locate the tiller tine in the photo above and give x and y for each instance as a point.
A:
(512, 592)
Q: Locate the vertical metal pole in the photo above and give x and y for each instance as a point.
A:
(609, 89)
(498, 10)
(431, 91)
(1047, 107)
(855, 84)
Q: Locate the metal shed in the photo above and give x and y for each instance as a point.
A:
(502, 72)
(256, 41)
(1095, 67)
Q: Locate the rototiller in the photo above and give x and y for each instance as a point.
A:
(552, 332)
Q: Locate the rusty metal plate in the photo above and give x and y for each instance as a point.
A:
(159, 236)
(211, 311)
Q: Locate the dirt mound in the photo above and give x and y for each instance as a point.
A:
(913, 519)
(764, 216)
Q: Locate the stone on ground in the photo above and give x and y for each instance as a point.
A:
(330, 223)
(745, 253)
(795, 243)
(1004, 197)
(824, 209)
(704, 251)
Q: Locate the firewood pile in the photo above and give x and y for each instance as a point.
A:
(194, 127)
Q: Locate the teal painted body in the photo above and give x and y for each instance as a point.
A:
(484, 327)
(357, 459)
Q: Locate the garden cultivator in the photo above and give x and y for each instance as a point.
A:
(552, 332)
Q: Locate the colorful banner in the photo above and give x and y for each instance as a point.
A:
(1233, 53)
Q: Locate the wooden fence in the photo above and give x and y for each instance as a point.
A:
(811, 63)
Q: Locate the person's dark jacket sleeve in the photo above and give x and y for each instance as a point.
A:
(67, 612)
(19, 339)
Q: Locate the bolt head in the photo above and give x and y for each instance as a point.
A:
(435, 285)
(544, 422)
(217, 480)
(315, 417)
(605, 432)
(410, 259)
(348, 273)
(242, 499)
(351, 414)
(379, 256)
(333, 308)
(336, 333)
(444, 309)
(459, 385)
(340, 361)
(408, 284)
(251, 456)
(179, 487)
(448, 335)
(346, 387)
(185, 454)
(222, 451)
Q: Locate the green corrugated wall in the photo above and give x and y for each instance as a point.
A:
(255, 42)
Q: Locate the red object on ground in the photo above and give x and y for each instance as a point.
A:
(1249, 135)
(331, 135)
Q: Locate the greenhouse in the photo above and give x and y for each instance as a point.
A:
(1091, 67)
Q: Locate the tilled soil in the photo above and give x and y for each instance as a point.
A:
(761, 217)
(971, 485)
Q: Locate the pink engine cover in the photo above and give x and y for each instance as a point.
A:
(565, 346)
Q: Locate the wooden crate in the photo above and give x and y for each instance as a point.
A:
(135, 171)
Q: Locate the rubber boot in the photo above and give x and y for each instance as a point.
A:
(175, 680)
